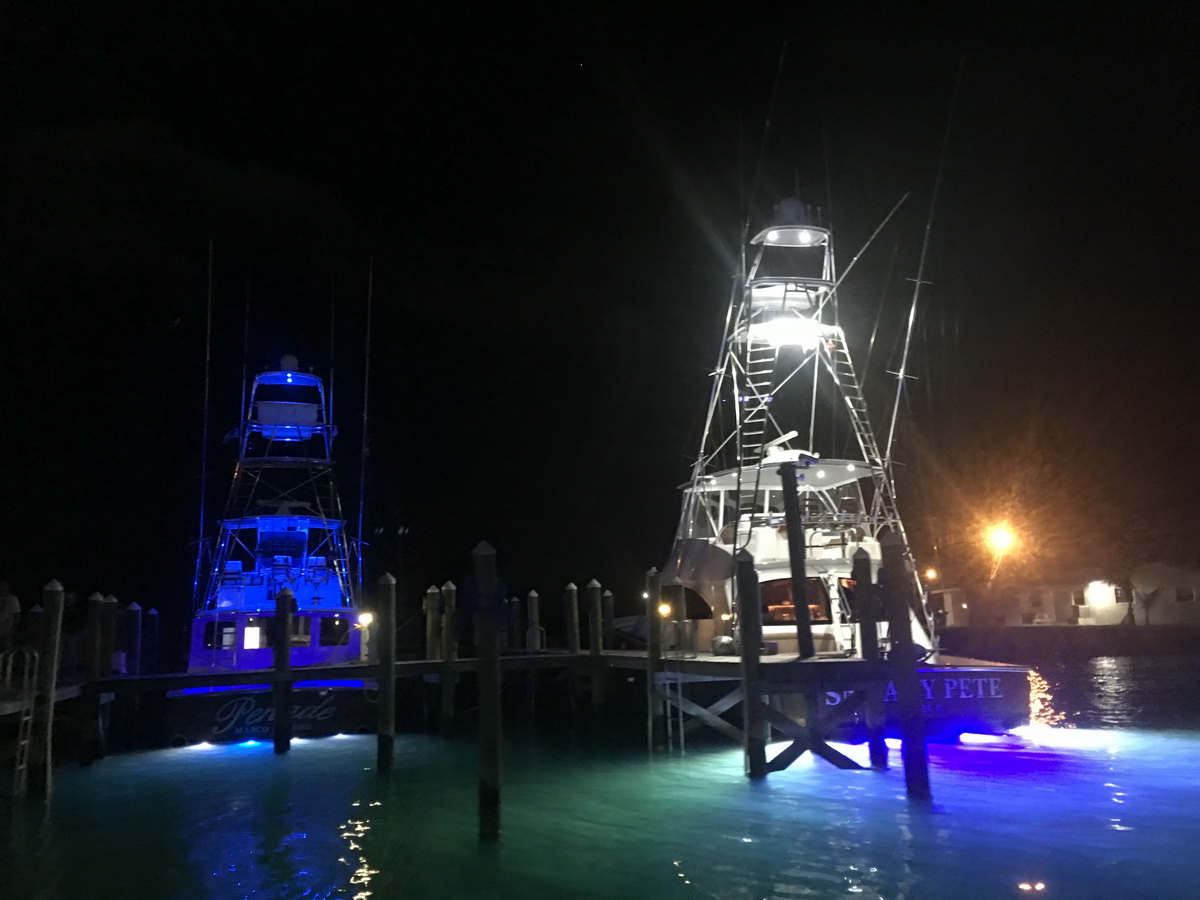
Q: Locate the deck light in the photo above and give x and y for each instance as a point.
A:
(366, 618)
(664, 609)
(931, 574)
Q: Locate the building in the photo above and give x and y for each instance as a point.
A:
(1163, 594)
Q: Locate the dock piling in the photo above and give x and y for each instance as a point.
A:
(449, 654)
(385, 729)
(894, 584)
(592, 594)
(571, 609)
(108, 636)
(483, 561)
(652, 597)
(533, 636)
(607, 619)
(867, 610)
(281, 691)
(91, 738)
(433, 620)
(40, 777)
(754, 724)
(797, 551)
(131, 638)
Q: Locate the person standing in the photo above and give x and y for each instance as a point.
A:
(10, 614)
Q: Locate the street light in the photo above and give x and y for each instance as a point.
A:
(931, 574)
(1000, 540)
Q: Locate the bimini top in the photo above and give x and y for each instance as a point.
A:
(811, 473)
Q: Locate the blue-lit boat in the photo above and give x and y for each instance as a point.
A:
(282, 538)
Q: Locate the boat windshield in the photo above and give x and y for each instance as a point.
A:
(792, 262)
(288, 393)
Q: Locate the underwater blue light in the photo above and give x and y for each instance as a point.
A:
(248, 744)
(968, 738)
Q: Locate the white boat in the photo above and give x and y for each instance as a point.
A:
(786, 393)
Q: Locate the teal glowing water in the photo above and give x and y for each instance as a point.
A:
(1066, 813)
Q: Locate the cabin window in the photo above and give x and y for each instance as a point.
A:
(1078, 598)
(257, 633)
(1184, 594)
(301, 631)
(1120, 595)
(335, 632)
(778, 608)
(286, 544)
(220, 635)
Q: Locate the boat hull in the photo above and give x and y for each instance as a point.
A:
(236, 715)
(972, 697)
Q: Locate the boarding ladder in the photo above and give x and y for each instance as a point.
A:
(21, 663)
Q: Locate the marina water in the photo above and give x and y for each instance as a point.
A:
(1102, 805)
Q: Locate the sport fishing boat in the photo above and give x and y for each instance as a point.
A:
(282, 538)
(785, 393)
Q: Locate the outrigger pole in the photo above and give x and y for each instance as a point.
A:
(362, 474)
(204, 427)
(912, 312)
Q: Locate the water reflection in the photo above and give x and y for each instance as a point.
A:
(353, 831)
(1041, 702)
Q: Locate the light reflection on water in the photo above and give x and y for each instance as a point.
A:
(1083, 812)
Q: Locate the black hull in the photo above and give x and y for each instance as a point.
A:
(235, 716)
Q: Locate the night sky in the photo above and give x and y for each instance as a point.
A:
(552, 199)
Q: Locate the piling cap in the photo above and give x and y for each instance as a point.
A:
(608, 593)
(571, 586)
(432, 589)
(97, 597)
(593, 583)
(110, 599)
(449, 586)
(133, 607)
(387, 578)
(152, 612)
(53, 585)
(483, 548)
(652, 571)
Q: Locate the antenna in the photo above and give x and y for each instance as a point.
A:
(204, 428)
(245, 347)
(362, 475)
(332, 344)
